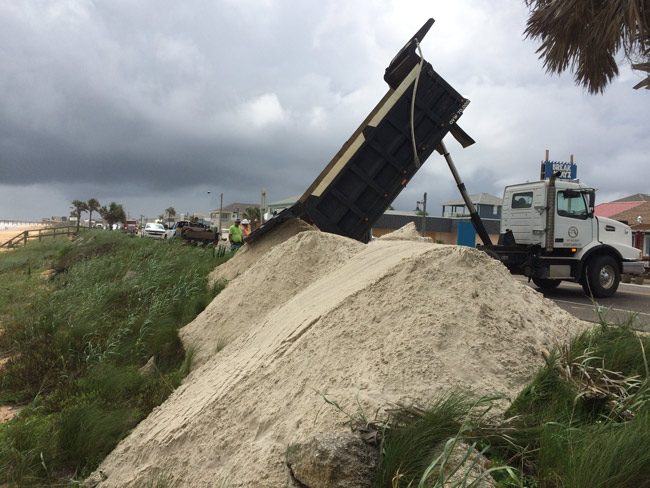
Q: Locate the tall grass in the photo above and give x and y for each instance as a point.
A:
(77, 342)
(583, 422)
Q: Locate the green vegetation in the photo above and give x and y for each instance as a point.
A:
(80, 321)
(583, 422)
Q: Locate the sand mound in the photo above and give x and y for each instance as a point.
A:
(269, 282)
(405, 233)
(398, 321)
(249, 253)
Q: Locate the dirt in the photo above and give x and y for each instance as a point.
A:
(322, 317)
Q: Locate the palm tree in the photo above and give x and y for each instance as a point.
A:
(78, 206)
(93, 206)
(112, 214)
(171, 213)
(587, 35)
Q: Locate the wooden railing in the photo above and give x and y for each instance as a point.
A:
(39, 234)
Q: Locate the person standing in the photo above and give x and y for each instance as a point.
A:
(246, 227)
(235, 235)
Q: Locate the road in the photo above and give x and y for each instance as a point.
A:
(630, 302)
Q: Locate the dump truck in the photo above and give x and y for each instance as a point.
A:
(548, 229)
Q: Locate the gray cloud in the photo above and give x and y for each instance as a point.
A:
(155, 104)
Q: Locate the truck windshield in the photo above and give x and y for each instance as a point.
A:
(571, 203)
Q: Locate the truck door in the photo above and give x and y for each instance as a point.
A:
(573, 226)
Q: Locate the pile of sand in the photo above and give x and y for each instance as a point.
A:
(268, 283)
(407, 233)
(392, 321)
(249, 253)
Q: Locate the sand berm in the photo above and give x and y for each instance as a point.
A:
(397, 320)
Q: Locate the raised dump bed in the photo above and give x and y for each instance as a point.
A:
(375, 164)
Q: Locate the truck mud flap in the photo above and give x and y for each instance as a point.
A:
(378, 160)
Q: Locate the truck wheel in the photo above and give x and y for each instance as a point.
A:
(546, 283)
(602, 277)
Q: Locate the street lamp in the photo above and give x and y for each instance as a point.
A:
(422, 202)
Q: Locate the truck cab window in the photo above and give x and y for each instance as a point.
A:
(571, 204)
(522, 200)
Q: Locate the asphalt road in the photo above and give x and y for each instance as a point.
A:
(630, 302)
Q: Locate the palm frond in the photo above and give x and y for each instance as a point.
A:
(587, 35)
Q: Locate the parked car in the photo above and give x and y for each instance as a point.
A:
(153, 230)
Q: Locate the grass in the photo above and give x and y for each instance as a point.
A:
(78, 339)
(583, 422)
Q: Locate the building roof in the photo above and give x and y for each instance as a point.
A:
(631, 215)
(286, 202)
(637, 197)
(613, 208)
(477, 199)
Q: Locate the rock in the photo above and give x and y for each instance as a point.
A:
(94, 479)
(333, 460)
(149, 368)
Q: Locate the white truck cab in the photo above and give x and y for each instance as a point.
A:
(549, 232)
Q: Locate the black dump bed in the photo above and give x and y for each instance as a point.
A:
(375, 164)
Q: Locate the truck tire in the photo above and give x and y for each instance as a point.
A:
(546, 283)
(602, 277)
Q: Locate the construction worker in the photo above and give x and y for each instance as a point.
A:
(246, 227)
(236, 235)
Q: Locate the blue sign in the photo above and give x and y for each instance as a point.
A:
(568, 171)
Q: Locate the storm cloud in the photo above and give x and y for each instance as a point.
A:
(156, 103)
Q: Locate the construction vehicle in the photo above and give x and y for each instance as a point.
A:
(553, 236)
(549, 233)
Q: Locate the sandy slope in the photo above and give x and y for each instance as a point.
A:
(395, 320)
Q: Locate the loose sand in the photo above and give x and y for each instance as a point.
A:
(8, 233)
(391, 321)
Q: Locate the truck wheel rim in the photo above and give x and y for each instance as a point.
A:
(607, 276)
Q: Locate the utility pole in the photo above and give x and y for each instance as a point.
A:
(423, 202)
(220, 212)
(262, 207)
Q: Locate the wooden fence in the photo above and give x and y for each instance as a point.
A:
(39, 234)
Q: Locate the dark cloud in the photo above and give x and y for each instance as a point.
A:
(155, 105)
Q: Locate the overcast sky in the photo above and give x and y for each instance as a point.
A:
(154, 103)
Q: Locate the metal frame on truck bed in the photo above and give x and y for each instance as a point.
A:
(384, 153)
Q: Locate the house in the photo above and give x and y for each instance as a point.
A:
(634, 210)
(229, 213)
(488, 207)
(280, 205)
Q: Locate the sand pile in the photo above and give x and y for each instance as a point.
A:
(250, 253)
(407, 233)
(267, 283)
(396, 321)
